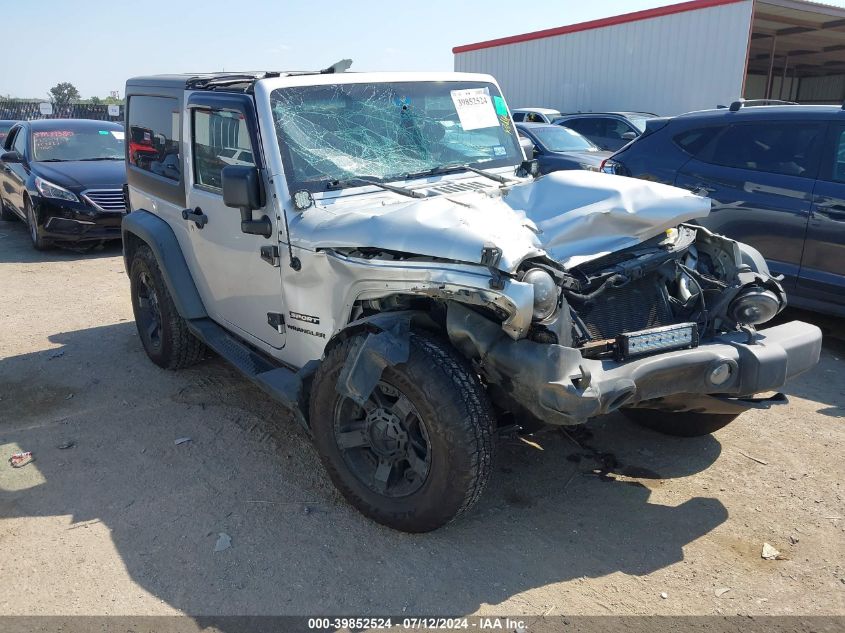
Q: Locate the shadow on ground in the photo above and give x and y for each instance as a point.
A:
(15, 247)
(815, 384)
(555, 511)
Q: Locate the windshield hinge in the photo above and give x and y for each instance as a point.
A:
(270, 254)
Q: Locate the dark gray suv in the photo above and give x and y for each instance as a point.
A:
(776, 175)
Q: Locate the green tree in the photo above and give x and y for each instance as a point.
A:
(63, 94)
(96, 101)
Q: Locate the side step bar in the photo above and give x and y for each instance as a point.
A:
(281, 383)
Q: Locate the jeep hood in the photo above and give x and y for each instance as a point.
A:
(572, 217)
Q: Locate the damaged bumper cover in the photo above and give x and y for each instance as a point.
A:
(559, 386)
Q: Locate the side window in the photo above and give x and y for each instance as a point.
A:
(838, 174)
(694, 141)
(518, 116)
(20, 142)
(220, 138)
(154, 136)
(776, 147)
(4, 136)
(614, 128)
(586, 126)
(533, 117)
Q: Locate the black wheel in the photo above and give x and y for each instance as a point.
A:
(162, 330)
(38, 242)
(6, 214)
(680, 424)
(420, 451)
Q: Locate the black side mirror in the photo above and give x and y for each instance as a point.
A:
(536, 151)
(242, 190)
(528, 168)
(11, 157)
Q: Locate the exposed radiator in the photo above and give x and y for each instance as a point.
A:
(637, 306)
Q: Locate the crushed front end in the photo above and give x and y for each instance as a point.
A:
(669, 324)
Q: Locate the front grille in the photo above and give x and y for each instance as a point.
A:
(106, 199)
(637, 306)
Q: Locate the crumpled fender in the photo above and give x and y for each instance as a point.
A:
(387, 342)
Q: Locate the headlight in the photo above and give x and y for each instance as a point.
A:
(546, 292)
(754, 306)
(49, 190)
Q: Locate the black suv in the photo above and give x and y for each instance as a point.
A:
(776, 175)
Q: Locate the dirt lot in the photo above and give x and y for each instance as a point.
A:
(125, 521)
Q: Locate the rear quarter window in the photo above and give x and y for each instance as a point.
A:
(693, 142)
(154, 136)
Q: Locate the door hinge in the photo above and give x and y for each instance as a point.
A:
(270, 254)
(276, 321)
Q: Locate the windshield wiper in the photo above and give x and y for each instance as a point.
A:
(447, 169)
(102, 158)
(51, 160)
(340, 184)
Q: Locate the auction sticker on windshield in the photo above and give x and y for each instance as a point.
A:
(475, 109)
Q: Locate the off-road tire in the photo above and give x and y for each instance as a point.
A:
(176, 347)
(454, 407)
(38, 243)
(680, 424)
(6, 214)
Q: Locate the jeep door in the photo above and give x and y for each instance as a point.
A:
(760, 176)
(822, 276)
(241, 290)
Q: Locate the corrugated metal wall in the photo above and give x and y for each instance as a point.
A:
(822, 89)
(667, 65)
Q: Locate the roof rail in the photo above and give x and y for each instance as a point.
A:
(747, 103)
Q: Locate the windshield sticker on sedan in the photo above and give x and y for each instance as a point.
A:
(475, 109)
(53, 134)
(118, 134)
(499, 150)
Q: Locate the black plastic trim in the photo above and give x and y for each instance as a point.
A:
(158, 235)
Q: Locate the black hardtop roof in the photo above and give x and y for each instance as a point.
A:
(197, 80)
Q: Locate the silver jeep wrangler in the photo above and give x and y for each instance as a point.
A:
(376, 253)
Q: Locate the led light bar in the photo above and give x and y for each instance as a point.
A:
(657, 339)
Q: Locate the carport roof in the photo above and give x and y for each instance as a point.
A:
(810, 36)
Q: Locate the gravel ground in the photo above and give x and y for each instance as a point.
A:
(125, 521)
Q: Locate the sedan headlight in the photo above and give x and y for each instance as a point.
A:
(49, 190)
(546, 292)
(754, 306)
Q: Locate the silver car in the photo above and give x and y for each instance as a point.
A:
(385, 262)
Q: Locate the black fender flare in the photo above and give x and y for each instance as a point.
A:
(141, 226)
(386, 341)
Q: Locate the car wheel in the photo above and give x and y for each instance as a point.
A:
(38, 242)
(420, 451)
(686, 424)
(162, 330)
(6, 214)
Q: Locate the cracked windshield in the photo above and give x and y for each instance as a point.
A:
(389, 131)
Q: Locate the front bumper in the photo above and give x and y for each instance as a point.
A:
(67, 221)
(559, 386)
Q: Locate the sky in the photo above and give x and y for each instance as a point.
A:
(96, 45)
